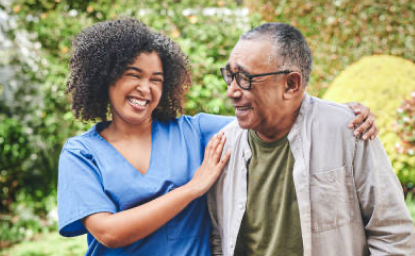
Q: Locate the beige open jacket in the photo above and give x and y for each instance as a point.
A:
(350, 200)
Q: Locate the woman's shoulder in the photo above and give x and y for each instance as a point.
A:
(206, 125)
(204, 119)
(84, 141)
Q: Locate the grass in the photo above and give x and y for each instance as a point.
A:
(52, 244)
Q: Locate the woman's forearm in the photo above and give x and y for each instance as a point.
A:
(126, 227)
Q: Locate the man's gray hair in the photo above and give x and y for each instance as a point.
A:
(289, 44)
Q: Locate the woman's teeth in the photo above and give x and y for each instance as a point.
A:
(138, 102)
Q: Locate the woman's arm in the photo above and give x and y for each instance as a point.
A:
(123, 228)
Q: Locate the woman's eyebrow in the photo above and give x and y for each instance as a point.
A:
(134, 68)
(158, 73)
(139, 70)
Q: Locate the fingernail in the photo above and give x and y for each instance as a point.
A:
(350, 125)
(372, 137)
(364, 137)
(356, 133)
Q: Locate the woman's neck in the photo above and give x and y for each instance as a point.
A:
(121, 130)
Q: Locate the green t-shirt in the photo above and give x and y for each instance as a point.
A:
(271, 224)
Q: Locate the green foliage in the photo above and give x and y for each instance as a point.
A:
(13, 156)
(32, 126)
(410, 203)
(405, 121)
(380, 82)
(24, 222)
(341, 32)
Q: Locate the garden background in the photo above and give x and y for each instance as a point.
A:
(363, 51)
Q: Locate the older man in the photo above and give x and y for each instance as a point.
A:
(298, 182)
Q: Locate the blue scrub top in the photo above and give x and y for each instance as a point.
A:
(94, 177)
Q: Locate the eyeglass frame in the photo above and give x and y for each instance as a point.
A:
(250, 76)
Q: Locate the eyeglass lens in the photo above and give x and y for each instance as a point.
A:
(241, 79)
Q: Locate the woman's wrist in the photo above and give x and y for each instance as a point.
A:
(191, 190)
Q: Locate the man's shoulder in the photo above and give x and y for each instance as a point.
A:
(330, 113)
(233, 132)
(233, 128)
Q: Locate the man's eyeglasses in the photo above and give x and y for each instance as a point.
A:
(243, 79)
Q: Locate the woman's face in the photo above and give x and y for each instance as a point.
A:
(137, 92)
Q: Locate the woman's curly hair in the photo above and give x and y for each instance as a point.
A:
(101, 54)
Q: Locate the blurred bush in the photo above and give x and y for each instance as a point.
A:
(381, 82)
(405, 128)
(405, 120)
(340, 32)
(24, 222)
(33, 123)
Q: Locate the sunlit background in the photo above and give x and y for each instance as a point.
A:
(363, 51)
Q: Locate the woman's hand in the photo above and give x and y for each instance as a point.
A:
(364, 122)
(211, 167)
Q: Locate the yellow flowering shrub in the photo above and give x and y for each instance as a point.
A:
(381, 82)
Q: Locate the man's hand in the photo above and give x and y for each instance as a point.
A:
(364, 122)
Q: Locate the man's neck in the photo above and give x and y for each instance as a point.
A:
(279, 129)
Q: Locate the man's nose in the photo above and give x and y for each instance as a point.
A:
(233, 90)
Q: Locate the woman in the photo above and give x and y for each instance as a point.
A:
(135, 184)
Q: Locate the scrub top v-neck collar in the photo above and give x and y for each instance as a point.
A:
(101, 126)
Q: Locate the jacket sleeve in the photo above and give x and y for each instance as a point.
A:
(388, 224)
(213, 206)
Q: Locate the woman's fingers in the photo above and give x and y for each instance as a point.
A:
(214, 150)
(212, 164)
(218, 150)
(224, 160)
(212, 145)
(209, 145)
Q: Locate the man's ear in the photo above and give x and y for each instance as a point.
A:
(294, 85)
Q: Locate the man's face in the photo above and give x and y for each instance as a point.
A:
(262, 107)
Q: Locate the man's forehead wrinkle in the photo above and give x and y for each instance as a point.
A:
(241, 68)
(253, 56)
(235, 60)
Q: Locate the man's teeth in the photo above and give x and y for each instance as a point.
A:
(242, 108)
(138, 102)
